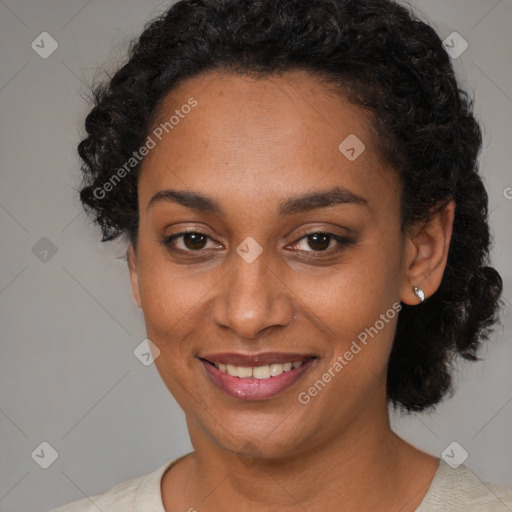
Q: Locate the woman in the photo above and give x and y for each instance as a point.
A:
(307, 240)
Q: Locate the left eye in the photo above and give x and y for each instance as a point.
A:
(320, 241)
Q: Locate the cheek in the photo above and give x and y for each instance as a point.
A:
(169, 292)
(361, 309)
(357, 294)
(169, 301)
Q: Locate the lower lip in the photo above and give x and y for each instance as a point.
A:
(252, 388)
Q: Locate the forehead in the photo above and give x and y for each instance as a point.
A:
(269, 135)
(294, 105)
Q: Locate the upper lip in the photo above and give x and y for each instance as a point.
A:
(255, 360)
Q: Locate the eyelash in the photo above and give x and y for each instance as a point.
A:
(341, 240)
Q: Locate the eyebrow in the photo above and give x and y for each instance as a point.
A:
(293, 205)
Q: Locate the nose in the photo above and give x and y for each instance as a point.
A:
(252, 298)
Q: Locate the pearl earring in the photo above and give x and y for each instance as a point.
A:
(419, 293)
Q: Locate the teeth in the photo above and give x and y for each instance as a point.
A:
(258, 372)
(232, 370)
(243, 372)
(276, 369)
(261, 372)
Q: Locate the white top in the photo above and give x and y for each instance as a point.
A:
(451, 490)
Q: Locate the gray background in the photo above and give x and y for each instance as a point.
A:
(68, 375)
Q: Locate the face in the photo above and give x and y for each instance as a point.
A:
(286, 248)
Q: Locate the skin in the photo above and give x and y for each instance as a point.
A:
(250, 144)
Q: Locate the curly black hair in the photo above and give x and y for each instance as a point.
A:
(382, 57)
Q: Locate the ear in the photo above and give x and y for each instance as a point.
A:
(426, 253)
(131, 258)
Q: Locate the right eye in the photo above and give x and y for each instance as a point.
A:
(190, 241)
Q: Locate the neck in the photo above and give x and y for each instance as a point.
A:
(365, 467)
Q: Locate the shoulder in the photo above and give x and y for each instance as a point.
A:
(124, 497)
(460, 489)
(120, 497)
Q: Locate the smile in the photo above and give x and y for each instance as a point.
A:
(255, 377)
(258, 372)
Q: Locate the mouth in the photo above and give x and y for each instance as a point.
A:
(255, 376)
